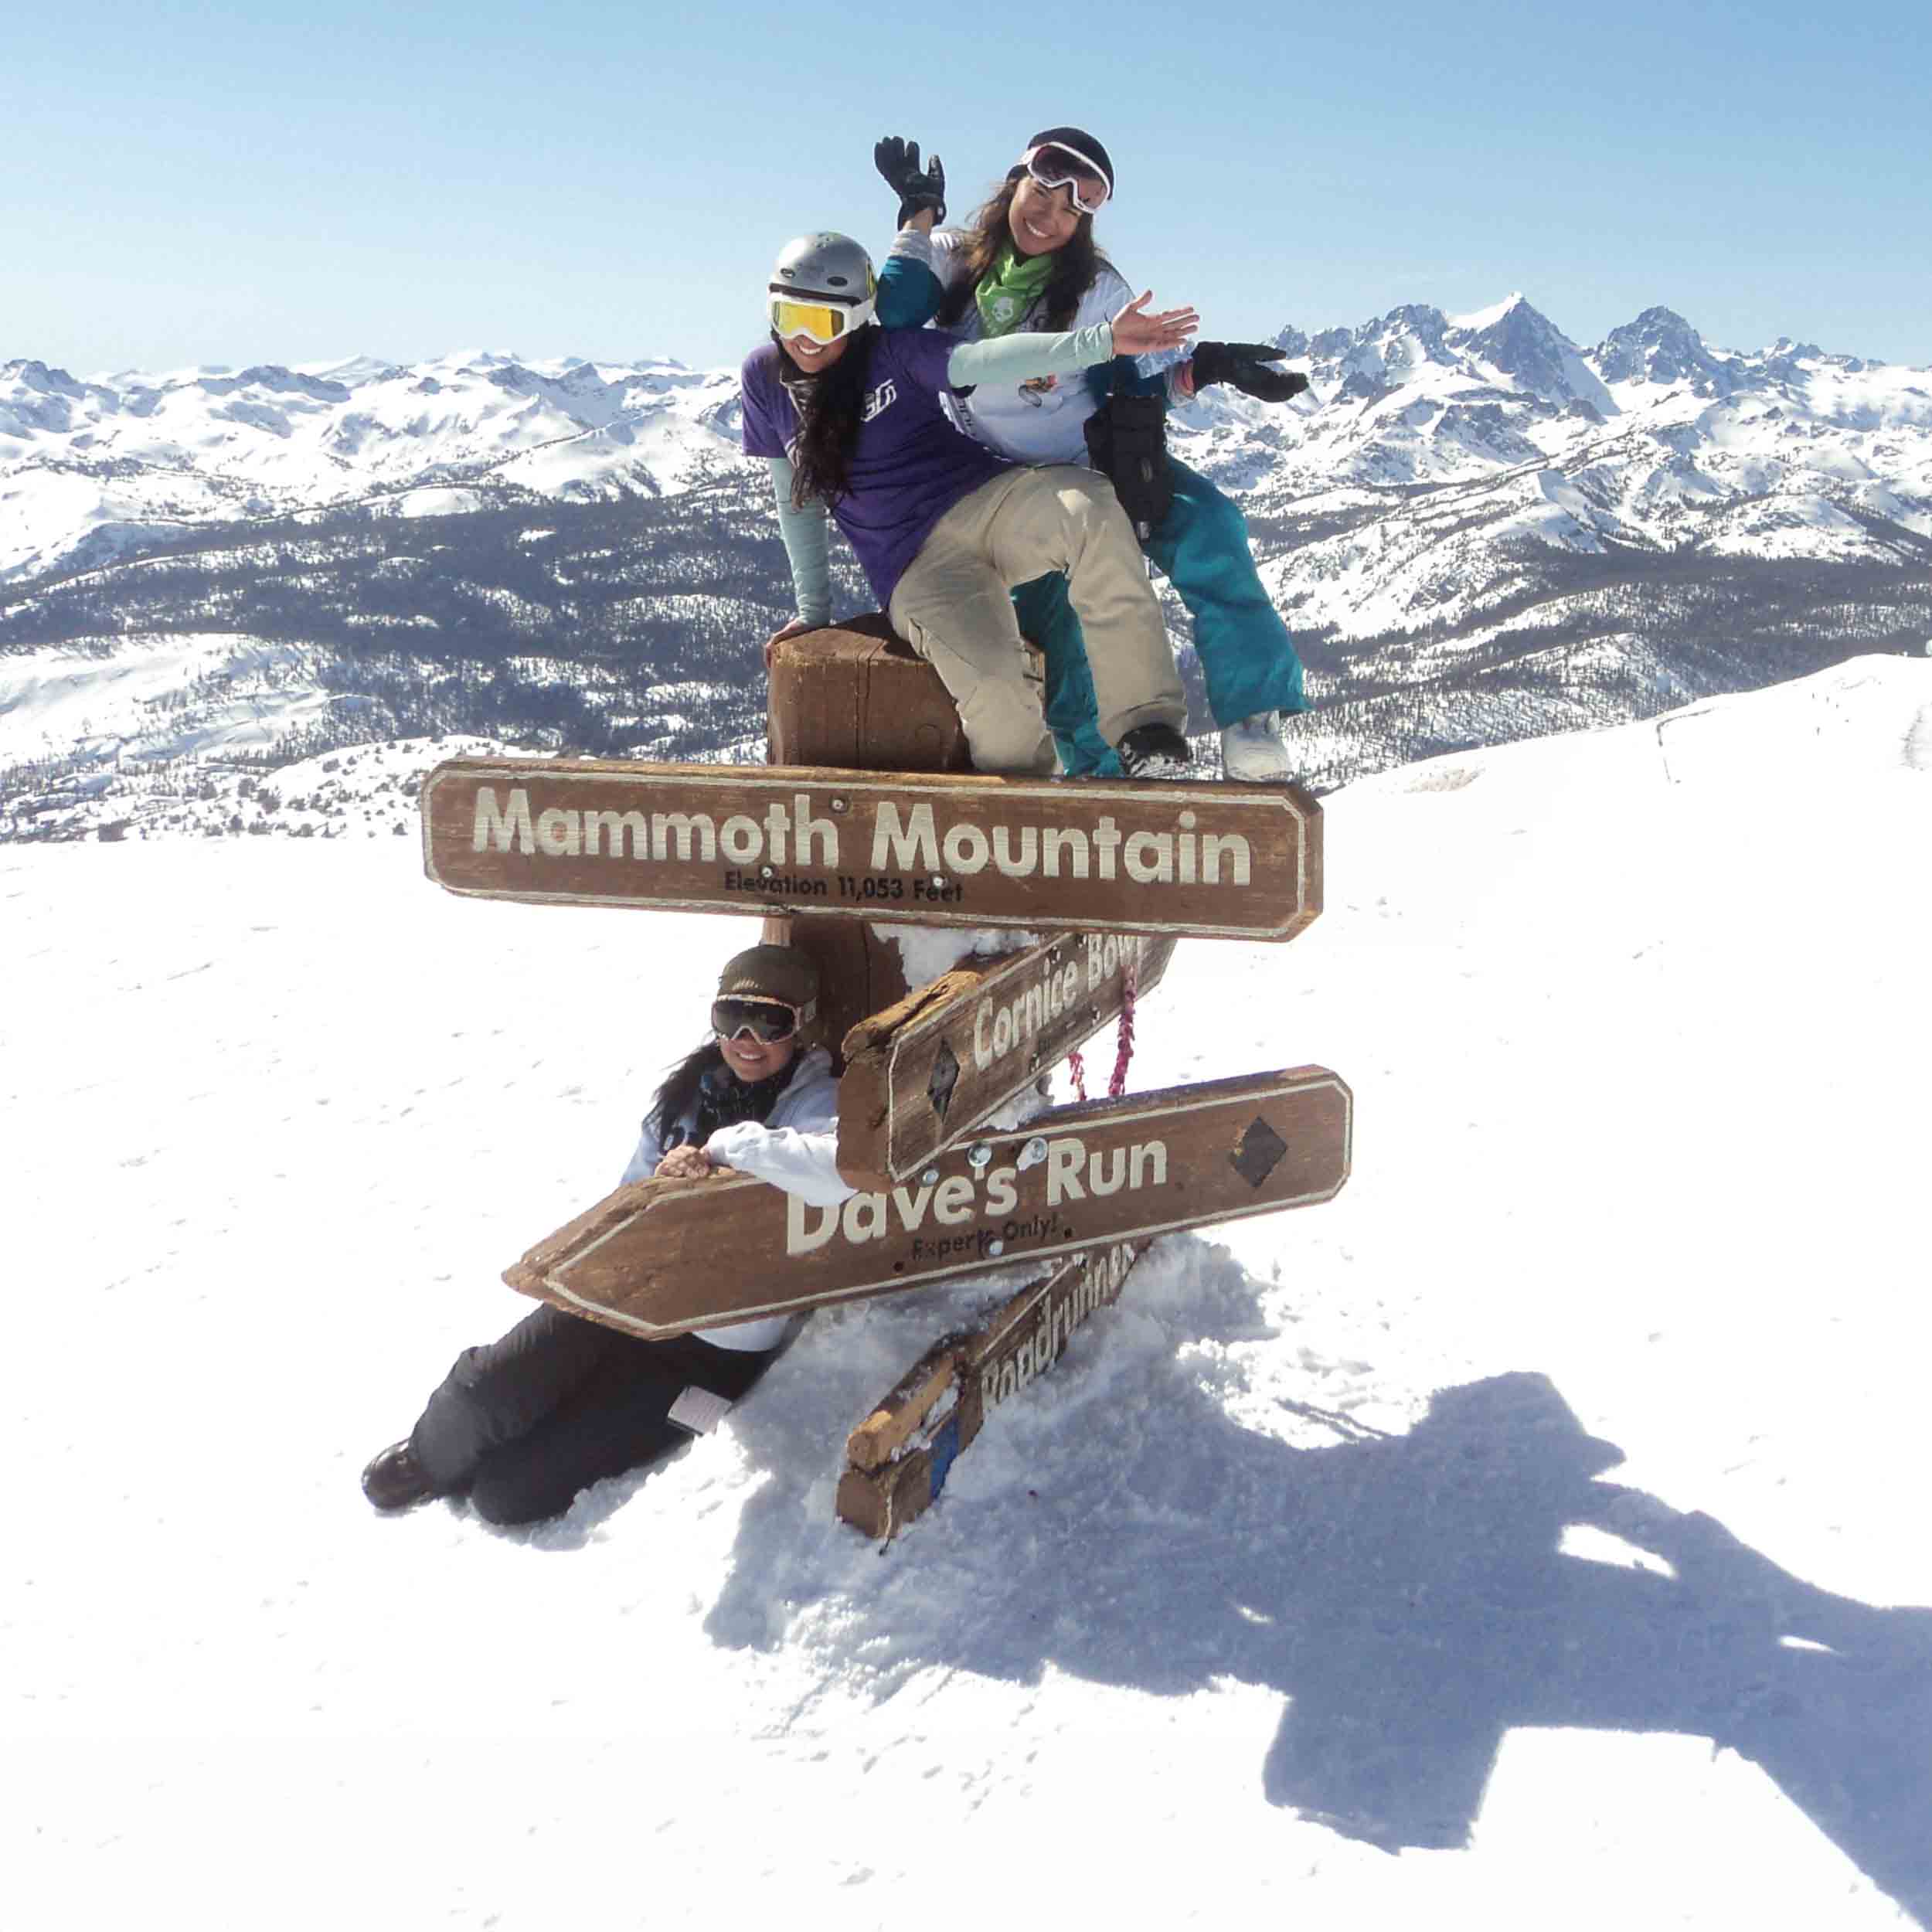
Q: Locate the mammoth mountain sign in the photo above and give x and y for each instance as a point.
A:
(919, 1075)
(658, 1257)
(1223, 860)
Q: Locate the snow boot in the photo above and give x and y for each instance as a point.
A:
(395, 1480)
(1253, 749)
(1154, 751)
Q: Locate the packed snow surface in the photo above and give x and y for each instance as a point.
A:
(1536, 1535)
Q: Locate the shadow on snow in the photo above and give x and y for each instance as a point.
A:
(1406, 1594)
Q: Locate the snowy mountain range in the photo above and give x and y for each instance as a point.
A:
(1478, 530)
(1650, 438)
(1434, 445)
(90, 470)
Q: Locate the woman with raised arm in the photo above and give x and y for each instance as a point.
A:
(1027, 261)
(854, 424)
(521, 1426)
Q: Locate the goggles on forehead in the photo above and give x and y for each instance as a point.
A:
(823, 321)
(768, 1020)
(1053, 166)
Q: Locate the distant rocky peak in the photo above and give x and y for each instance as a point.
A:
(1422, 320)
(1380, 353)
(38, 377)
(1660, 347)
(1517, 339)
(1790, 361)
(1514, 333)
(272, 378)
(1631, 351)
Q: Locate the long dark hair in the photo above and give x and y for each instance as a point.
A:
(679, 1092)
(1076, 264)
(830, 407)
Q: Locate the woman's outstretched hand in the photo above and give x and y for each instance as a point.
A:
(1138, 333)
(686, 1163)
(921, 190)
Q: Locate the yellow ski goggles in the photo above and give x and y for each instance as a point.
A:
(823, 322)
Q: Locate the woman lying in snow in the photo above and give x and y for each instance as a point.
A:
(521, 1426)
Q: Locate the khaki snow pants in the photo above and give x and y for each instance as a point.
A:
(953, 606)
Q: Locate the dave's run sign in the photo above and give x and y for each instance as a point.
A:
(658, 1257)
(1225, 860)
(921, 1075)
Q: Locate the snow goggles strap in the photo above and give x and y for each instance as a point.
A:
(769, 1020)
(823, 321)
(1053, 166)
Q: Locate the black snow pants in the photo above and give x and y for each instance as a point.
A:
(559, 1403)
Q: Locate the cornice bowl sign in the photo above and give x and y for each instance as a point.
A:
(1214, 859)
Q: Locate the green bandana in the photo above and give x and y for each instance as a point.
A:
(1011, 290)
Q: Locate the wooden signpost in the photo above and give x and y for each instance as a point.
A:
(919, 1075)
(869, 813)
(897, 1459)
(855, 697)
(660, 1257)
(1221, 860)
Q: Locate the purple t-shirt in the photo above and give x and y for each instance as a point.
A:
(910, 466)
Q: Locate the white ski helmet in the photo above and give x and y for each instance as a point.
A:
(822, 287)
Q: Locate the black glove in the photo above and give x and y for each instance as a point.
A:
(898, 160)
(1246, 365)
(1127, 437)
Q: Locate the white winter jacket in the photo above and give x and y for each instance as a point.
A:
(796, 1150)
(1041, 421)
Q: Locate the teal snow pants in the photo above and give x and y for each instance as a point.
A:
(1248, 660)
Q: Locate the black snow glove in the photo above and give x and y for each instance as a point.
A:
(1127, 438)
(917, 188)
(1246, 365)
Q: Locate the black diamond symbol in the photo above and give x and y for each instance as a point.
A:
(1259, 1153)
(945, 1078)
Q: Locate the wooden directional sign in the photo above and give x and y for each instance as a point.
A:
(898, 1459)
(919, 1075)
(1229, 861)
(658, 1257)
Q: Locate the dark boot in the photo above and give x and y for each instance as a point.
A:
(394, 1480)
(1154, 751)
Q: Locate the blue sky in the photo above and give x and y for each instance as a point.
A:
(238, 183)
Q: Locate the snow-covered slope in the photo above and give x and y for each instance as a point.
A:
(1549, 1507)
(1428, 447)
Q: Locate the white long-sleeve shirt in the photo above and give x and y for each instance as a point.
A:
(796, 1150)
(1039, 421)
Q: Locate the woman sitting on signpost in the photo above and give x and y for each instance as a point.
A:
(521, 1426)
(1028, 261)
(851, 421)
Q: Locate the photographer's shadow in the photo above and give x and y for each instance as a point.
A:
(1411, 1597)
(1446, 1613)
